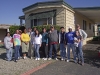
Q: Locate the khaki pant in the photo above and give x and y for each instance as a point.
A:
(30, 50)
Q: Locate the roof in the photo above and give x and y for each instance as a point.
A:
(93, 13)
(4, 26)
(47, 3)
(87, 8)
(22, 17)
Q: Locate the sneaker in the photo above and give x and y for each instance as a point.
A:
(67, 60)
(45, 58)
(25, 57)
(15, 61)
(36, 58)
(56, 59)
(49, 58)
(62, 59)
(75, 61)
(82, 64)
(31, 58)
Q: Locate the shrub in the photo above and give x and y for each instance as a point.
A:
(47, 27)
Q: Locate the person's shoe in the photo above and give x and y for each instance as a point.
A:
(45, 58)
(15, 60)
(82, 64)
(49, 58)
(62, 59)
(67, 60)
(31, 58)
(75, 61)
(36, 58)
(56, 59)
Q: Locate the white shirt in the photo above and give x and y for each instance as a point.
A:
(37, 39)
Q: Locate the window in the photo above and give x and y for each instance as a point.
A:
(84, 25)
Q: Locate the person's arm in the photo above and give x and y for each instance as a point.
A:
(5, 43)
(66, 38)
(84, 34)
(13, 40)
(40, 39)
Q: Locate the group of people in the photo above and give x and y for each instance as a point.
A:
(28, 43)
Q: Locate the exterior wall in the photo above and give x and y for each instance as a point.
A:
(60, 20)
(79, 20)
(69, 15)
(2, 34)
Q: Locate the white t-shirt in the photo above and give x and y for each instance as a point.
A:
(37, 39)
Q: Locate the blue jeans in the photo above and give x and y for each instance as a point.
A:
(62, 50)
(36, 48)
(9, 53)
(17, 54)
(55, 50)
(71, 46)
(79, 53)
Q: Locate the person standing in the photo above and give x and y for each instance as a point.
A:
(17, 44)
(83, 35)
(44, 46)
(62, 43)
(30, 51)
(8, 43)
(70, 44)
(78, 46)
(37, 44)
(53, 40)
(25, 43)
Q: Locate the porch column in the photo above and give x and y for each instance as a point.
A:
(47, 21)
(8, 30)
(52, 20)
(21, 21)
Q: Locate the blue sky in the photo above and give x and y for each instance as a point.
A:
(10, 10)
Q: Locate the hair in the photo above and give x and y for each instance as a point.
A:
(7, 33)
(38, 33)
(61, 27)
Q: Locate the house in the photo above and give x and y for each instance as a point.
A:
(62, 14)
(3, 30)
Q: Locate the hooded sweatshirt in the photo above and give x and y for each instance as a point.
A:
(8, 42)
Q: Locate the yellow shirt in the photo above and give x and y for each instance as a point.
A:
(25, 37)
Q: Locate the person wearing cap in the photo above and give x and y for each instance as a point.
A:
(53, 41)
(70, 43)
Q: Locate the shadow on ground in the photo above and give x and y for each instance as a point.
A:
(91, 58)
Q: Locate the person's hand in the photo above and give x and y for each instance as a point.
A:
(50, 31)
(46, 44)
(40, 45)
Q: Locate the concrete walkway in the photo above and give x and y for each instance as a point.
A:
(91, 67)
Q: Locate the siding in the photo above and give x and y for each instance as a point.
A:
(69, 19)
(79, 20)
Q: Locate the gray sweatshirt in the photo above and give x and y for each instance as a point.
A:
(7, 42)
(53, 36)
(83, 34)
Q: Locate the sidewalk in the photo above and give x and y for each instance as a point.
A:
(91, 67)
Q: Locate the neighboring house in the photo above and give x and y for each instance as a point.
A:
(3, 30)
(62, 14)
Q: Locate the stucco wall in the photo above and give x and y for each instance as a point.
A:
(79, 20)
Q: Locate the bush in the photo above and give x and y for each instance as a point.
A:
(47, 27)
(96, 38)
(14, 28)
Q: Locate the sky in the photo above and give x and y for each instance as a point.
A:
(10, 10)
